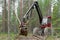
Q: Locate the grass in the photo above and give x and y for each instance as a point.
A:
(4, 36)
(50, 38)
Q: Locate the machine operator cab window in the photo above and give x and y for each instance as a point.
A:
(44, 21)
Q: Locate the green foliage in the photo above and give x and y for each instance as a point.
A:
(4, 36)
(44, 5)
(56, 15)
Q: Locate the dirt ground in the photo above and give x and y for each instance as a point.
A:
(30, 38)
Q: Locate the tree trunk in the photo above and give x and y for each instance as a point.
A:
(21, 10)
(4, 17)
(9, 14)
(14, 23)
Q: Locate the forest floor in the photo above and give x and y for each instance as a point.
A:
(31, 37)
(4, 36)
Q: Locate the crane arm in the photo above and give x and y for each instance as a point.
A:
(35, 5)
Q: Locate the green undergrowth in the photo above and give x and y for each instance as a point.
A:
(4, 36)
